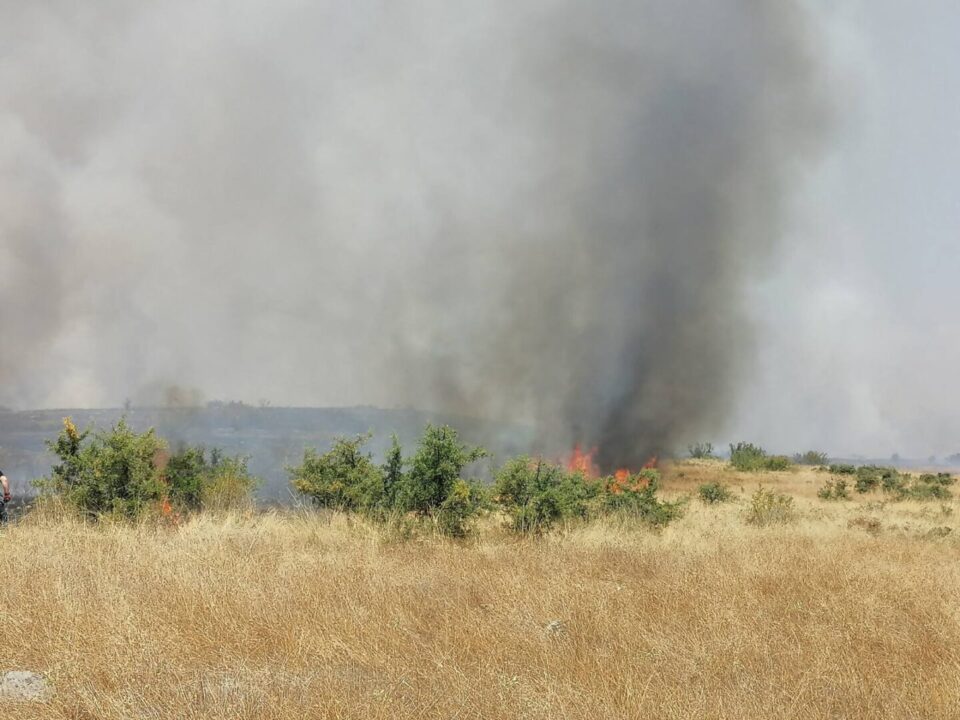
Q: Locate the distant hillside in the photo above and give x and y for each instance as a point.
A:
(272, 437)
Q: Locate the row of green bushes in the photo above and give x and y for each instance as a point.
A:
(534, 494)
(901, 486)
(747, 457)
(123, 473)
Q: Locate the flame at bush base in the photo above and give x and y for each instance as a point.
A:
(583, 461)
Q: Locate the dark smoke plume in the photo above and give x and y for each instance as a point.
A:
(544, 211)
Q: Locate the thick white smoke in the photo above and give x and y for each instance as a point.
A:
(543, 210)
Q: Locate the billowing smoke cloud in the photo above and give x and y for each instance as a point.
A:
(543, 211)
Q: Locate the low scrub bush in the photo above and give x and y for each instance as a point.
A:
(701, 451)
(748, 457)
(461, 505)
(901, 486)
(714, 493)
(228, 485)
(891, 481)
(434, 469)
(634, 496)
(836, 469)
(929, 487)
(344, 478)
(195, 481)
(768, 507)
(834, 489)
(811, 457)
(537, 495)
(111, 472)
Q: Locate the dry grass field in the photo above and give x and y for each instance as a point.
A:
(853, 611)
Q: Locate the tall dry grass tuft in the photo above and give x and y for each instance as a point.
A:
(319, 615)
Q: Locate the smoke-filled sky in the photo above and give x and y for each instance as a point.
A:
(635, 224)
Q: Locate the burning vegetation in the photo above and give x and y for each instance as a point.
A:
(127, 474)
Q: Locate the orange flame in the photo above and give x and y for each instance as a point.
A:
(582, 461)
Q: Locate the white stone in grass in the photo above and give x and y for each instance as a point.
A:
(24, 686)
(555, 628)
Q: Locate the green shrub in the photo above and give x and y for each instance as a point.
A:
(942, 479)
(393, 477)
(842, 469)
(778, 462)
(434, 468)
(929, 487)
(811, 457)
(228, 484)
(714, 493)
(459, 508)
(835, 489)
(195, 482)
(537, 495)
(344, 478)
(433, 487)
(768, 507)
(634, 496)
(892, 481)
(701, 451)
(867, 478)
(110, 472)
(747, 457)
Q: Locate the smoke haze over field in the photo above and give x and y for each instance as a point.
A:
(549, 211)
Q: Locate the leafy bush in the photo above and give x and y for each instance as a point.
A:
(865, 481)
(228, 484)
(892, 481)
(345, 478)
(536, 495)
(461, 505)
(842, 469)
(714, 493)
(434, 469)
(768, 507)
(811, 457)
(930, 487)
(393, 477)
(778, 462)
(701, 451)
(834, 490)
(195, 482)
(941, 479)
(110, 472)
(747, 457)
(635, 496)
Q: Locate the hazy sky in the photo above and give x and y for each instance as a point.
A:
(861, 345)
(168, 215)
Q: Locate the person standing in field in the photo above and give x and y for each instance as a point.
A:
(6, 498)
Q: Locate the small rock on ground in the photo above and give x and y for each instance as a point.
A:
(24, 686)
(554, 628)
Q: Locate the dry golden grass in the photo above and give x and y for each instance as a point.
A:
(302, 616)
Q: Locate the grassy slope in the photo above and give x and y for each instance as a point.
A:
(286, 616)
